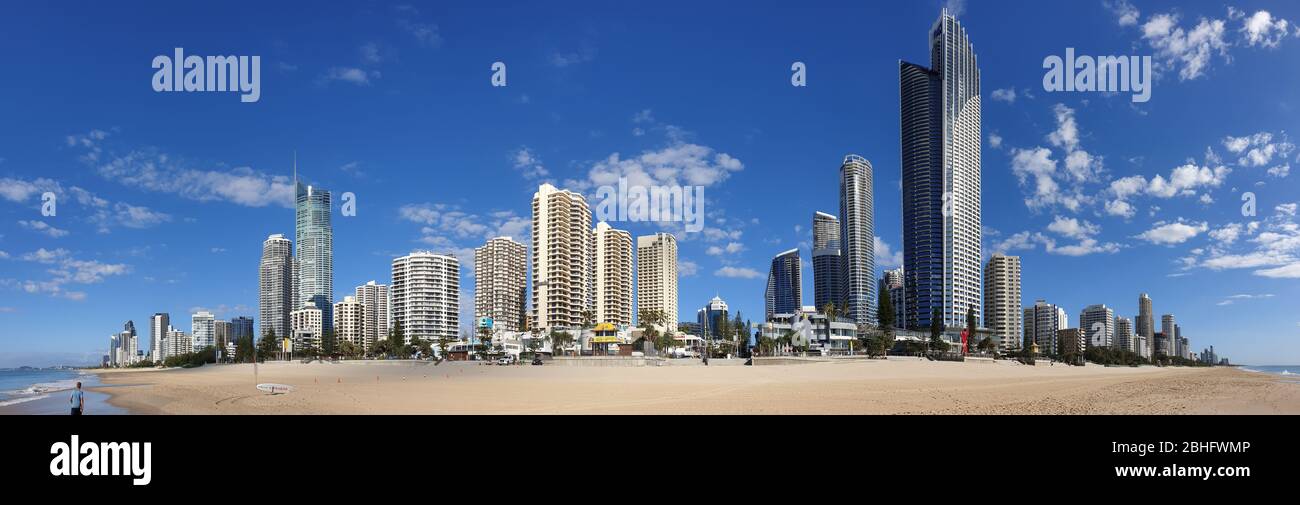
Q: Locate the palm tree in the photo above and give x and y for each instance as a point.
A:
(831, 312)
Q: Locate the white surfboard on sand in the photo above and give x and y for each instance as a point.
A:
(274, 388)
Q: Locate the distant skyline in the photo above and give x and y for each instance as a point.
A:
(165, 199)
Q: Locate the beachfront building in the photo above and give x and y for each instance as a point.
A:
(857, 239)
(1042, 323)
(656, 274)
(373, 298)
(828, 265)
(784, 294)
(709, 317)
(1124, 338)
(940, 157)
(613, 276)
(893, 282)
(307, 326)
(1146, 326)
(1165, 345)
(350, 322)
(275, 285)
(1002, 313)
(501, 283)
(1072, 341)
(426, 296)
(221, 334)
(314, 253)
(1098, 324)
(203, 333)
(178, 343)
(562, 259)
(842, 331)
(158, 324)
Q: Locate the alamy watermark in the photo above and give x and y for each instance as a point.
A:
(1130, 74)
(651, 204)
(213, 73)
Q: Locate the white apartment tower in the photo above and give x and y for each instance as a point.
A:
(426, 295)
(501, 283)
(1097, 322)
(613, 273)
(276, 286)
(562, 258)
(374, 300)
(1002, 301)
(350, 322)
(203, 331)
(1124, 338)
(308, 325)
(158, 325)
(656, 273)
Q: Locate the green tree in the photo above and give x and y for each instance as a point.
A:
(970, 328)
(936, 342)
(328, 345)
(269, 345)
(244, 349)
(485, 342)
(885, 311)
(559, 340)
(444, 342)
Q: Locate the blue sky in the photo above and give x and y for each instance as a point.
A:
(165, 198)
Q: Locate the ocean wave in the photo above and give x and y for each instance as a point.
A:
(15, 401)
(45, 387)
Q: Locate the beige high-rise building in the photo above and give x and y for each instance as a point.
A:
(501, 283)
(308, 325)
(613, 275)
(426, 296)
(350, 322)
(1002, 312)
(562, 258)
(656, 273)
(374, 300)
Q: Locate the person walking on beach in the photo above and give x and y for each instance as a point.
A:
(78, 400)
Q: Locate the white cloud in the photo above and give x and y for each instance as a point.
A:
(886, 257)
(1007, 95)
(687, 268)
(526, 162)
(351, 75)
(43, 227)
(19, 191)
(1262, 29)
(1286, 208)
(67, 270)
(426, 34)
(1188, 50)
(1022, 240)
(995, 141)
(679, 164)
(737, 273)
(1073, 228)
(1125, 13)
(730, 248)
(156, 171)
(1164, 233)
(1291, 271)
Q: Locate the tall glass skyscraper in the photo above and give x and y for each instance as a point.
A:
(940, 137)
(275, 286)
(828, 265)
(314, 251)
(784, 293)
(858, 238)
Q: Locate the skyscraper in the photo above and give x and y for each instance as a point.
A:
(656, 276)
(1167, 327)
(374, 301)
(613, 275)
(828, 264)
(307, 326)
(784, 293)
(426, 295)
(158, 324)
(1042, 322)
(1097, 322)
(275, 286)
(501, 283)
(709, 317)
(562, 258)
(893, 280)
(858, 238)
(1146, 325)
(1124, 338)
(1002, 301)
(241, 327)
(203, 331)
(314, 253)
(940, 137)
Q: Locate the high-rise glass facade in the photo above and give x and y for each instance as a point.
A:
(784, 293)
(828, 266)
(940, 141)
(314, 253)
(858, 238)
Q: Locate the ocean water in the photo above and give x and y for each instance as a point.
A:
(25, 385)
(1288, 371)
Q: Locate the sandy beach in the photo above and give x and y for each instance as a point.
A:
(895, 386)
